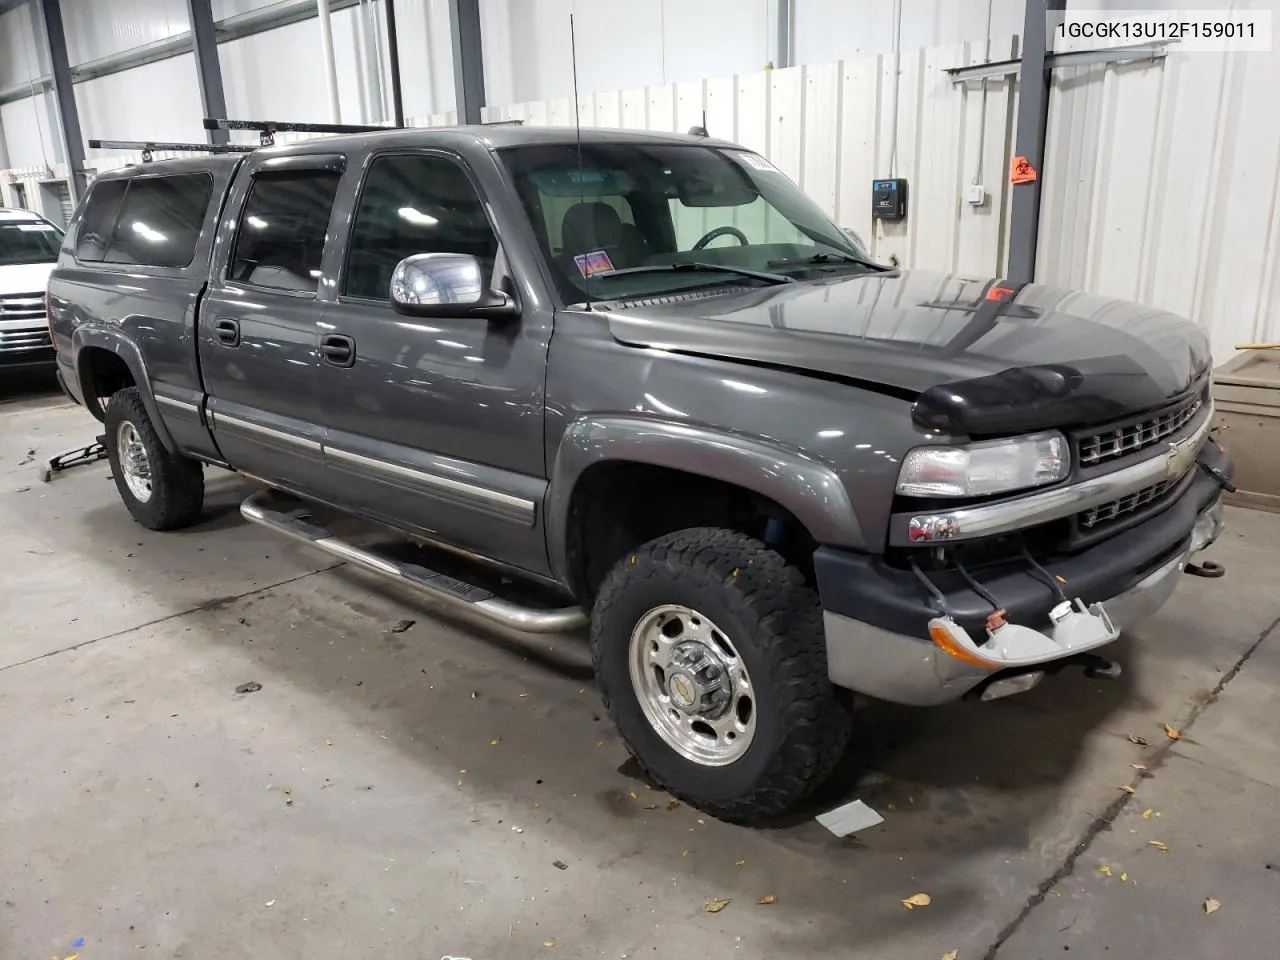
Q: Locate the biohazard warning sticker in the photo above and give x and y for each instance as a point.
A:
(1021, 171)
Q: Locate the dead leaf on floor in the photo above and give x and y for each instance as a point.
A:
(672, 804)
(892, 807)
(495, 741)
(1138, 740)
(1146, 814)
(767, 899)
(1128, 789)
(738, 863)
(651, 806)
(1105, 870)
(1124, 878)
(951, 955)
(632, 795)
(328, 743)
(1172, 732)
(1140, 767)
(715, 906)
(1163, 848)
(1210, 905)
(917, 900)
(684, 853)
(548, 943)
(523, 695)
(599, 743)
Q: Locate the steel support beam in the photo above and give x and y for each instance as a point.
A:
(393, 56)
(64, 93)
(208, 69)
(1033, 117)
(468, 58)
(786, 34)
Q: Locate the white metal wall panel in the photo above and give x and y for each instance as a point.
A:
(426, 56)
(110, 106)
(826, 126)
(31, 138)
(1162, 184)
(280, 74)
(21, 58)
(99, 28)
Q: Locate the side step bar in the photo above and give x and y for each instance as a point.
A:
(459, 596)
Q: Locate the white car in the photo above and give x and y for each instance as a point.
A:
(29, 247)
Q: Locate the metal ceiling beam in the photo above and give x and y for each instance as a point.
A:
(393, 57)
(786, 34)
(468, 58)
(64, 93)
(1033, 118)
(208, 69)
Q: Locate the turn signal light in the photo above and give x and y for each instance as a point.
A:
(943, 639)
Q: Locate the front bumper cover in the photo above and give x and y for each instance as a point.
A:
(887, 640)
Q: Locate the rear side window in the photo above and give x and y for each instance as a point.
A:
(160, 221)
(282, 231)
(100, 212)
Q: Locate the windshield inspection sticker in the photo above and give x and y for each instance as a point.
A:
(593, 263)
(35, 227)
(757, 161)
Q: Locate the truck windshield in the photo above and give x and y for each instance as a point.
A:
(28, 241)
(624, 206)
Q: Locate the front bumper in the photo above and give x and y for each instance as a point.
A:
(881, 624)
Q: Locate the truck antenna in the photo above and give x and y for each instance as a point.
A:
(583, 259)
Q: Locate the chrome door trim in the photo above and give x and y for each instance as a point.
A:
(177, 404)
(495, 502)
(248, 426)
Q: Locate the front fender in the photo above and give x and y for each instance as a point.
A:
(808, 488)
(128, 351)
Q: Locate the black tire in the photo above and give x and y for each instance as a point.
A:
(775, 623)
(177, 483)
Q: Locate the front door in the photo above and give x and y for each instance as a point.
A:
(435, 424)
(259, 323)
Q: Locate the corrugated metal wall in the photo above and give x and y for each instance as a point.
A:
(1162, 184)
(829, 128)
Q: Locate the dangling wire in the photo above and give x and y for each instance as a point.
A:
(933, 591)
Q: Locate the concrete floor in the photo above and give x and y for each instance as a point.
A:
(409, 795)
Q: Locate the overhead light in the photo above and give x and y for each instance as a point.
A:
(417, 217)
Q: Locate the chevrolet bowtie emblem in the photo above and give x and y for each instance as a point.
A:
(1181, 456)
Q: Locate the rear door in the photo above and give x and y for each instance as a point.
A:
(258, 324)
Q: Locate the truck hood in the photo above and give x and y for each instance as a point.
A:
(977, 357)
(24, 277)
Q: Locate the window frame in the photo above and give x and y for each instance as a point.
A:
(500, 262)
(330, 163)
(124, 202)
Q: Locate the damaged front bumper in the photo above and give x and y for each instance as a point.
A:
(887, 638)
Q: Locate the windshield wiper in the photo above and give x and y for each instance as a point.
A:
(831, 258)
(696, 268)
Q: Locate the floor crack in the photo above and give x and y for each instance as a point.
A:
(211, 604)
(1116, 806)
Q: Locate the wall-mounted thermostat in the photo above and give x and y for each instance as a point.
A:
(889, 199)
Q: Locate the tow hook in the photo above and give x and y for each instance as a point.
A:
(1208, 569)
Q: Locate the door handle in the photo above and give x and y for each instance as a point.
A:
(338, 350)
(228, 331)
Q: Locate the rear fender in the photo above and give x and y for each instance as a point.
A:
(128, 351)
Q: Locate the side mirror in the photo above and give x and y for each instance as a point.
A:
(446, 285)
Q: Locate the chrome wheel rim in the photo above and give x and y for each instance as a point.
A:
(692, 685)
(134, 465)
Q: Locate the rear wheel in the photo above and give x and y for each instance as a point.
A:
(162, 490)
(710, 655)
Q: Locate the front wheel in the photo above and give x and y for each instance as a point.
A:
(711, 658)
(162, 490)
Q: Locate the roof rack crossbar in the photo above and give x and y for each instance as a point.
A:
(150, 147)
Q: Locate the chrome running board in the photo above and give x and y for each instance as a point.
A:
(455, 594)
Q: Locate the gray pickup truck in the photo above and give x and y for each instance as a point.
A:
(648, 373)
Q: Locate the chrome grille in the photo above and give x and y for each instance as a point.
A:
(1088, 519)
(22, 306)
(12, 341)
(1108, 444)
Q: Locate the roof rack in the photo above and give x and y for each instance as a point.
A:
(149, 147)
(267, 129)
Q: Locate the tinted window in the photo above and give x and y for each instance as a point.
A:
(160, 221)
(100, 211)
(414, 204)
(28, 241)
(282, 230)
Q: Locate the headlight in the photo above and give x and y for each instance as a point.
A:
(979, 469)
